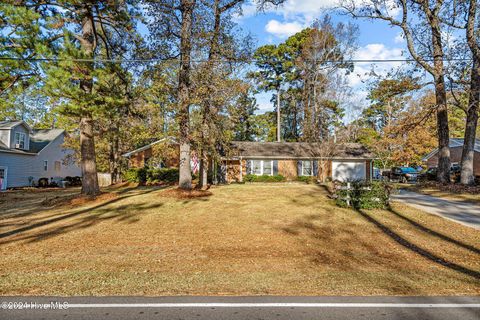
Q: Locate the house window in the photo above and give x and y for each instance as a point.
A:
(45, 165)
(257, 167)
(262, 167)
(20, 140)
(267, 168)
(307, 168)
(57, 166)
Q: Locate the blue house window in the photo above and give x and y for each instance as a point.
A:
(20, 140)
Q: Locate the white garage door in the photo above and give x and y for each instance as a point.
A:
(348, 170)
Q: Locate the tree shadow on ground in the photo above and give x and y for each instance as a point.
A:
(434, 233)
(345, 247)
(84, 218)
(418, 250)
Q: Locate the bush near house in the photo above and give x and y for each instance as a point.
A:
(151, 176)
(264, 178)
(364, 195)
(307, 179)
(135, 175)
(165, 175)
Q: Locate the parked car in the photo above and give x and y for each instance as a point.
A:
(402, 174)
(431, 173)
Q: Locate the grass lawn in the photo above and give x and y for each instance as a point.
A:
(252, 239)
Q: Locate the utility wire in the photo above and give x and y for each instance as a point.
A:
(225, 60)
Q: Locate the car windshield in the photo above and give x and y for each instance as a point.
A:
(408, 170)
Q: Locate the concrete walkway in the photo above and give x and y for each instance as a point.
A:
(463, 212)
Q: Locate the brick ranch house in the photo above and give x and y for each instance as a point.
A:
(343, 161)
(456, 148)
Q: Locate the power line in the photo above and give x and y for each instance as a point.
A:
(139, 60)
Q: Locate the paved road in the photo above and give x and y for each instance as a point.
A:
(463, 212)
(211, 308)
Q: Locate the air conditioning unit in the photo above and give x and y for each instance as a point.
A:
(17, 146)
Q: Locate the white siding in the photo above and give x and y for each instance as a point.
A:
(21, 167)
(5, 136)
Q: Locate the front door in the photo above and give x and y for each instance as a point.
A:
(3, 178)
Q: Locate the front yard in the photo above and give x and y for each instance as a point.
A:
(252, 239)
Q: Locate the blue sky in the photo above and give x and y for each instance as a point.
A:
(376, 40)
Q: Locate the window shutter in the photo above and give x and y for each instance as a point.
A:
(249, 166)
(299, 167)
(315, 168)
(275, 167)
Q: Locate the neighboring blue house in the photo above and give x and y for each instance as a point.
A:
(27, 155)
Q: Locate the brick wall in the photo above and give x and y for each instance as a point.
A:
(288, 169)
(456, 156)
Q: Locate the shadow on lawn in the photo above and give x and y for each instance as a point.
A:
(125, 213)
(329, 232)
(420, 251)
(434, 233)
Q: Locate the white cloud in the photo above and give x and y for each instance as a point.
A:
(263, 102)
(377, 51)
(399, 38)
(374, 51)
(283, 29)
(307, 8)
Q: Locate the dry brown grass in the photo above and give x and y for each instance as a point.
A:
(450, 191)
(255, 239)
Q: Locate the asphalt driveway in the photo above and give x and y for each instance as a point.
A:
(463, 212)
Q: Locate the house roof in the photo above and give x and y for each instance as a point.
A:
(454, 143)
(39, 139)
(171, 140)
(9, 124)
(42, 137)
(300, 150)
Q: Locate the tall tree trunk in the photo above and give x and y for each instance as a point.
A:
(467, 174)
(185, 173)
(443, 133)
(88, 160)
(279, 126)
(87, 141)
(208, 104)
(114, 158)
(443, 175)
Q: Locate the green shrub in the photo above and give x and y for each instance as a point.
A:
(151, 176)
(364, 195)
(164, 175)
(307, 179)
(264, 178)
(136, 175)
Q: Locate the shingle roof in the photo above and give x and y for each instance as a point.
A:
(8, 124)
(42, 137)
(454, 143)
(39, 139)
(299, 150)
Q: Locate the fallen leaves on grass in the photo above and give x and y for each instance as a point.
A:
(453, 188)
(76, 200)
(185, 194)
